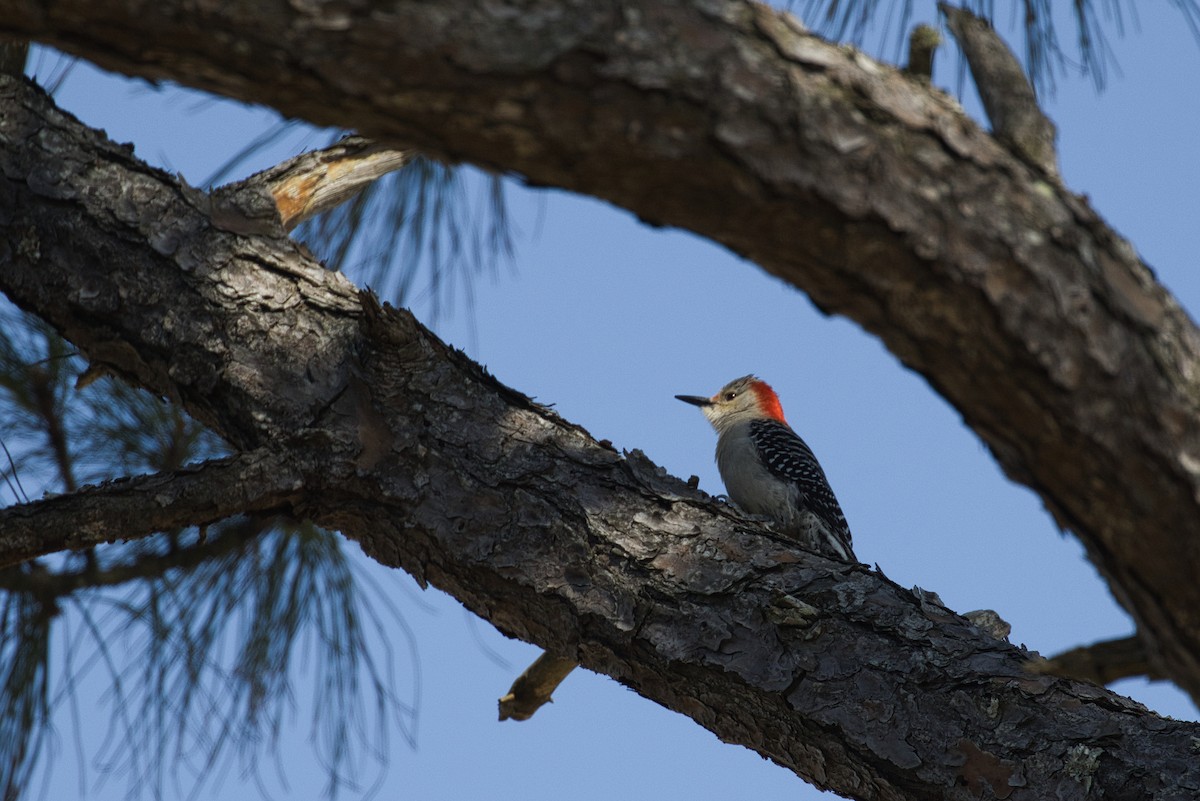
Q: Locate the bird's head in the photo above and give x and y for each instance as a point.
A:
(746, 398)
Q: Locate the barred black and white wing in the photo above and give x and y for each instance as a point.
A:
(819, 517)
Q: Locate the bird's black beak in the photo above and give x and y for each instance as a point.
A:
(695, 400)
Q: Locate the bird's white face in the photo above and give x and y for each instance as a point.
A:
(733, 398)
(736, 401)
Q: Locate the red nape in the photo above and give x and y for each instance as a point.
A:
(768, 401)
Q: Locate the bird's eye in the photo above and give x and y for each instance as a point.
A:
(730, 396)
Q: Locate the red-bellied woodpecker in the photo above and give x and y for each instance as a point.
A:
(769, 470)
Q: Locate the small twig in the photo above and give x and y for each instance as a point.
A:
(14, 484)
(305, 186)
(923, 42)
(533, 688)
(13, 55)
(1100, 663)
(1007, 95)
(50, 412)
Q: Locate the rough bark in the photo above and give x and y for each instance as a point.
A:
(257, 482)
(854, 683)
(868, 190)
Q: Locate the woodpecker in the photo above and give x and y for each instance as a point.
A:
(769, 470)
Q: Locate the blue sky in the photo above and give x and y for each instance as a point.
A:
(608, 320)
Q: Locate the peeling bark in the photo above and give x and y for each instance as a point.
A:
(829, 669)
(315, 182)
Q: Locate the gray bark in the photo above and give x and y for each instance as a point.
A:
(402, 443)
(870, 191)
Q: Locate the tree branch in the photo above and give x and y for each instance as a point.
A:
(13, 55)
(923, 42)
(315, 182)
(1101, 662)
(52, 585)
(132, 508)
(1007, 95)
(868, 190)
(430, 464)
(534, 687)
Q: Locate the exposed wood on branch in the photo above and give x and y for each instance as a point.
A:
(315, 182)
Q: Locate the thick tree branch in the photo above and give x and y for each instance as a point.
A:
(826, 668)
(868, 190)
(180, 354)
